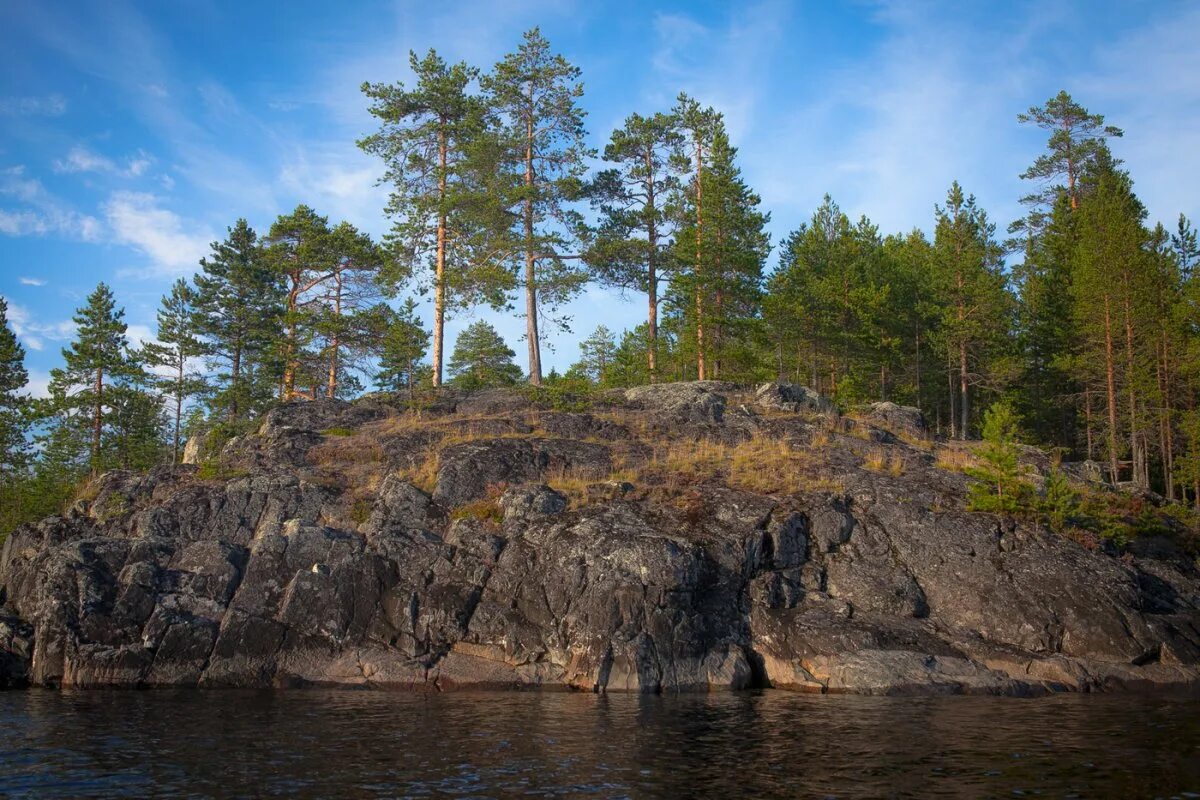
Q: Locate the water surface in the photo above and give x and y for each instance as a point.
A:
(472, 744)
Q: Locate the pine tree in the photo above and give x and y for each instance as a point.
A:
(432, 140)
(1046, 337)
(1077, 137)
(405, 343)
(632, 245)
(829, 299)
(481, 359)
(14, 404)
(96, 358)
(1106, 268)
(176, 349)
(536, 92)
(973, 296)
(300, 251)
(597, 354)
(238, 313)
(348, 317)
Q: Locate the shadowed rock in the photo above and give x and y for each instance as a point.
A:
(505, 576)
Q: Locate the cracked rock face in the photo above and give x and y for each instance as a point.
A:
(287, 577)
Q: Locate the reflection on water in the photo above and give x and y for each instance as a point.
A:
(772, 744)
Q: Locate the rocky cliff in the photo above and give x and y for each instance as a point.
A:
(676, 537)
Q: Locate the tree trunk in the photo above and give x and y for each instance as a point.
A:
(289, 355)
(97, 420)
(439, 280)
(697, 270)
(531, 321)
(651, 274)
(235, 377)
(1111, 377)
(950, 377)
(1087, 405)
(964, 387)
(1137, 445)
(917, 343)
(178, 408)
(334, 343)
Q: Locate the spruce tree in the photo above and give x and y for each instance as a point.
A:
(14, 403)
(535, 93)
(722, 294)
(481, 359)
(96, 359)
(404, 345)
(1107, 268)
(238, 314)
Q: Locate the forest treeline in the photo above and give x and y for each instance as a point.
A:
(1082, 316)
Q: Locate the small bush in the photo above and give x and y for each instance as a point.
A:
(216, 471)
(338, 432)
(486, 510)
(360, 512)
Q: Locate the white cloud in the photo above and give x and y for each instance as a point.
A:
(44, 213)
(32, 281)
(138, 335)
(49, 106)
(39, 383)
(81, 159)
(138, 221)
(338, 183)
(32, 333)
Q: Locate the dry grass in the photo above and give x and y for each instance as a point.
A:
(576, 485)
(882, 460)
(955, 459)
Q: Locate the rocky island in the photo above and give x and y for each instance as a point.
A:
(672, 537)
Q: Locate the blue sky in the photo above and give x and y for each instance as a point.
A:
(132, 134)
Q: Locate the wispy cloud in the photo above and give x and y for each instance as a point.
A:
(172, 245)
(39, 212)
(49, 106)
(31, 281)
(81, 159)
(33, 333)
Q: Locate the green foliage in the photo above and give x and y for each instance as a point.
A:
(404, 345)
(482, 360)
(175, 351)
(1060, 502)
(721, 248)
(238, 309)
(99, 396)
(216, 471)
(534, 93)
(1001, 489)
(14, 404)
(440, 162)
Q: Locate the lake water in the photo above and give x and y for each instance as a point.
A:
(768, 744)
